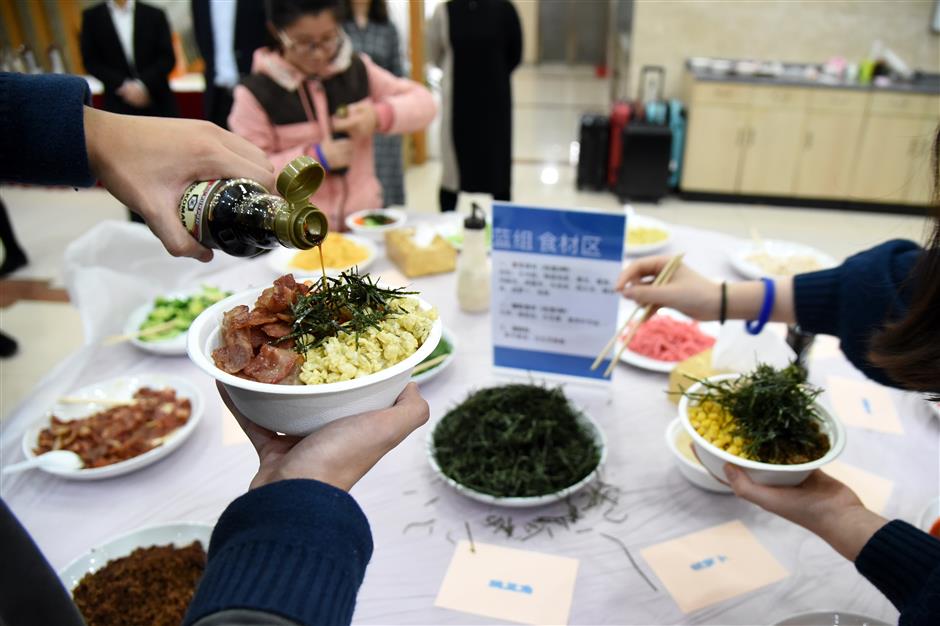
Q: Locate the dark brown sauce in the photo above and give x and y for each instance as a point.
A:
(322, 266)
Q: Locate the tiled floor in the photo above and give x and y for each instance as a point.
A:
(548, 102)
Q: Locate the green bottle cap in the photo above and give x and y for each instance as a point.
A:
(303, 227)
(299, 180)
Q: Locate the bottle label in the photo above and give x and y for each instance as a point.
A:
(195, 203)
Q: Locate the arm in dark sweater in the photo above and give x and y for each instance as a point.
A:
(42, 125)
(853, 301)
(904, 564)
(296, 549)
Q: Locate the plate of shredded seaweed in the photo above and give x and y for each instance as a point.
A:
(438, 360)
(516, 445)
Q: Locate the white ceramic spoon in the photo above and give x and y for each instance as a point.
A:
(56, 459)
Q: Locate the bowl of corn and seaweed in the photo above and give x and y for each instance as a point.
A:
(516, 446)
(768, 423)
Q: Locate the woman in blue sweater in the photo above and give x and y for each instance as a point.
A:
(884, 306)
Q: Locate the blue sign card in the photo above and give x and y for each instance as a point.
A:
(553, 303)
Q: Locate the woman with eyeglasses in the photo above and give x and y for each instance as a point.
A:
(312, 94)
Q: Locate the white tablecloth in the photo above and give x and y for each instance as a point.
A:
(213, 467)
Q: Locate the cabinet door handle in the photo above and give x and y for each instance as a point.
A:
(808, 141)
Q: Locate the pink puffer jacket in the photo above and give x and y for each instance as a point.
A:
(270, 112)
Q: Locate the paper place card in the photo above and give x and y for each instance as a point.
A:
(872, 490)
(712, 565)
(863, 404)
(510, 584)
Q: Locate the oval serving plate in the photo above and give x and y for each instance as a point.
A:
(434, 371)
(712, 329)
(279, 261)
(179, 534)
(526, 501)
(117, 389)
(746, 268)
(641, 221)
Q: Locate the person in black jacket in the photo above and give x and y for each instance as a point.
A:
(127, 45)
(478, 45)
(227, 32)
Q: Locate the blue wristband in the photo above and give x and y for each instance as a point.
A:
(321, 158)
(755, 327)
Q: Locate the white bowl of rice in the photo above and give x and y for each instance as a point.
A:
(299, 409)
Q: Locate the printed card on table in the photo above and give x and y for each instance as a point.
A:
(712, 565)
(863, 404)
(553, 301)
(506, 583)
(872, 490)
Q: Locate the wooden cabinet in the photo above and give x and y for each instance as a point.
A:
(923, 168)
(827, 152)
(809, 142)
(894, 160)
(714, 147)
(772, 145)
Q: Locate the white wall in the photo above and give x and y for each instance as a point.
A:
(667, 32)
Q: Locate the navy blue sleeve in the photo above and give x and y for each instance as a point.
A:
(856, 299)
(295, 548)
(42, 122)
(904, 564)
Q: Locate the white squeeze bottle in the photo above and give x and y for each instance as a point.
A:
(473, 268)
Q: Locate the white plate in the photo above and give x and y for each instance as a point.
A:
(712, 329)
(523, 502)
(119, 388)
(739, 257)
(934, 407)
(280, 259)
(175, 346)
(179, 534)
(376, 232)
(641, 221)
(434, 371)
(830, 618)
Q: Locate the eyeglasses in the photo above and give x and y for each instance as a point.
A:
(328, 45)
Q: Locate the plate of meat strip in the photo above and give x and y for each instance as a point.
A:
(118, 426)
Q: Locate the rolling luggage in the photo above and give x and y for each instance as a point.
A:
(644, 167)
(592, 157)
(619, 118)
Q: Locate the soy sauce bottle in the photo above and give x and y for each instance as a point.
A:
(241, 218)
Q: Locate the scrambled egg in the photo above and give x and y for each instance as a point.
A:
(398, 337)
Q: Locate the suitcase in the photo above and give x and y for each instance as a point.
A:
(677, 122)
(619, 118)
(592, 157)
(644, 165)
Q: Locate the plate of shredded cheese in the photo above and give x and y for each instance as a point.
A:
(646, 235)
(340, 252)
(756, 259)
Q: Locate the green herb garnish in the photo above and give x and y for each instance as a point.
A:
(515, 441)
(775, 412)
(350, 304)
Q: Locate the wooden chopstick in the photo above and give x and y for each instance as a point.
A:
(421, 367)
(663, 277)
(153, 330)
(623, 327)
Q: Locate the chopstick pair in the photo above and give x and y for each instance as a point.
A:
(153, 330)
(662, 278)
